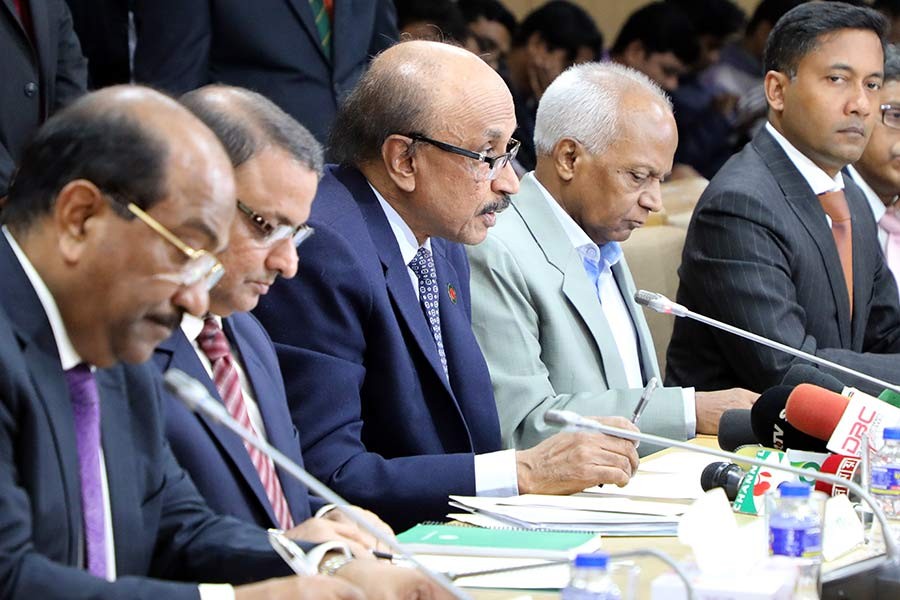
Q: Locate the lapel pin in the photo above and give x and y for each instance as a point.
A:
(451, 291)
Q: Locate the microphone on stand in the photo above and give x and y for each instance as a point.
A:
(661, 304)
(857, 578)
(195, 396)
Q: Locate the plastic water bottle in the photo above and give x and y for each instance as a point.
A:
(885, 484)
(590, 579)
(795, 531)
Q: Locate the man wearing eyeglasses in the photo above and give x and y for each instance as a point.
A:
(877, 172)
(109, 236)
(388, 387)
(277, 164)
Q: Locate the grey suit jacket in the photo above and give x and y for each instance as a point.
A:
(548, 345)
(759, 255)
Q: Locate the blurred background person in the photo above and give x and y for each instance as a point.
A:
(493, 27)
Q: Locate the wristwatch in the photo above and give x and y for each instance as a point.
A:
(331, 564)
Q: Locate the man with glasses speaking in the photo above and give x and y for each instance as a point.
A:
(387, 384)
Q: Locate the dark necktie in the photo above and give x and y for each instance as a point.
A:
(322, 13)
(422, 265)
(86, 412)
(215, 346)
(835, 206)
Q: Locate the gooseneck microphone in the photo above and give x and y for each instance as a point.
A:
(195, 396)
(727, 476)
(661, 304)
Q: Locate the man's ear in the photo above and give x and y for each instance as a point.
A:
(400, 161)
(566, 153)
(775, 85)
(76, 213)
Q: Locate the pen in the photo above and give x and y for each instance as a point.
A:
(645, 398)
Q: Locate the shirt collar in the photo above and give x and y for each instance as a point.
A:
(610, 253)
(192, 325)
(406, 239)
(818, 180)
(875, 203)
(68, 357)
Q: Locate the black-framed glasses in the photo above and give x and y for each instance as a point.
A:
(495, 163)
(272, 234)
(890, 115)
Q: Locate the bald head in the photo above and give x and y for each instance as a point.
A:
(416, 86)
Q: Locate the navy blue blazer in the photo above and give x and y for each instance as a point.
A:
(216, 458)
(162, 528)
(378, 419)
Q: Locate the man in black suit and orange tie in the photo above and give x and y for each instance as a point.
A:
(781, 242)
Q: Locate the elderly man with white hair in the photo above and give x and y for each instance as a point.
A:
(552, 294)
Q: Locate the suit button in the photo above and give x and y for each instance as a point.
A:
(31, 89)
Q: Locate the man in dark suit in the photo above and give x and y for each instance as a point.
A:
(387, 384)
(108, 239)
(781, 243)
(42, 70)
(277, 164)
(304, 61)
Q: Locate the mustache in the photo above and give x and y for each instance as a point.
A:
(171, 321)
(497, 206)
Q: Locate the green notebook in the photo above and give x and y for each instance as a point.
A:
(478, 537)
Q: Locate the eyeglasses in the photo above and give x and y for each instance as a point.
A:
(272, 234)
(495, 163)
(890, 115)
(201, 265)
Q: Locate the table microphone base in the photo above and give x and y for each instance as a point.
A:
(881, 582)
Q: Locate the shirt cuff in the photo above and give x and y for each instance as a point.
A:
(324, 511)
(690, 412)
(496, 475)
(216, 591)
(317, 554)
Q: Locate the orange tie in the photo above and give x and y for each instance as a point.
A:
(835, 206)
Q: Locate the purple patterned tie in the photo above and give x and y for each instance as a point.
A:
(422, 265)
(86, 410)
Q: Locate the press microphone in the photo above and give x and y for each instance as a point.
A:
(772, 427)
(195, 396)
(803, 373)
(735, 429)
(661, 304)
(856, 576)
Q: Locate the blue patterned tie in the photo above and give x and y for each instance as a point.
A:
(422, 265)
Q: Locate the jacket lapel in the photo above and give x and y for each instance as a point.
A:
(304, 13)
(40, 18)
(646, 349)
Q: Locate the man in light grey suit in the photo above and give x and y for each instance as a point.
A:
(552, 295)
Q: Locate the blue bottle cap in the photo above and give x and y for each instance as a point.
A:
(794, 489)
(892, 433)
(597, 560)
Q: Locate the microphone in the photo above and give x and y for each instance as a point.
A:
(845, 467)
(803, 373)
(774, 429)
(727, 476)
(857, 577)
(194, 395)
(735, 429)
(661, 304)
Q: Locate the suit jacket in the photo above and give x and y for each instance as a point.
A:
(38, 78)
(556, 350)
(271, 47)
(216, 458)
(378, 420)
(102, 28)
(161, 526)
(759, 255)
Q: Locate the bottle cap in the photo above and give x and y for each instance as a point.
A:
(597, 560)
(891, 433)
(794, 489)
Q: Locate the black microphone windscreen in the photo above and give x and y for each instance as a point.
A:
(771, 427)
(736, 429)
(727, 476)
(805, 373)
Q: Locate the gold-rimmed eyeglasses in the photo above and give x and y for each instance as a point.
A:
(890, 115)
(272, 234)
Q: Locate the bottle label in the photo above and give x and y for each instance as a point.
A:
(803, 542)
(886, 480)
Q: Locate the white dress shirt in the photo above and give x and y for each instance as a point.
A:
(495, 472)
(612, 303)
(875, 203)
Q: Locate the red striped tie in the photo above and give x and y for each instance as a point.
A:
(215, 345)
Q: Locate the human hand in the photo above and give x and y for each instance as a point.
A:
(316, 587)
(364, 537)
(384, 581)
(569, 462)
(711, 405)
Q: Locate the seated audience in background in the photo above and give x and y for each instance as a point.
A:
(276, 164)
(108, 239)
(550, 39)
(659, 41)
(703, 114)
(386, 382)
(877, 172)
(42, 70)
(781, 243)
(301, 55)
(552, 303)
(435, 20)
(493, 27)
(891, 11)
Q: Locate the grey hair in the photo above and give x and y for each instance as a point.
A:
(584, 103)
